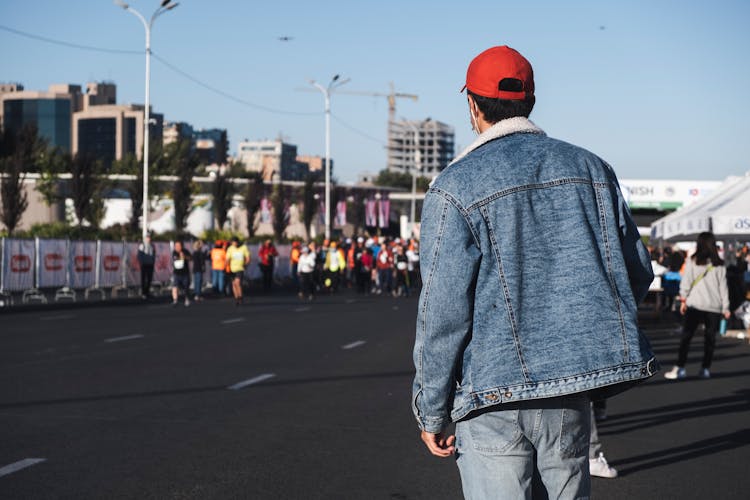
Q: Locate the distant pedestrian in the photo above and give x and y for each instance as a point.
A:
(294, 256)
(705, 299)
(306, 271)
(238, 258)
(334, 267)
(218, 266)
(401, 263)
(146, 260)
(200, 256)
(180, 273)
(267, 255)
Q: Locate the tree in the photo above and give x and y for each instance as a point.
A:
(355, 212)
(53, 163)
(222, 191)
(182, 164)
(14, 198)
(308, 199)
(280, 213)
(401, 180)
(129, 165)
(86, 189)
(253, 195)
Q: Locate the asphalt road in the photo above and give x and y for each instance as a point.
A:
(287, 399)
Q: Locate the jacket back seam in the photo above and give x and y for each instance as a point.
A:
(506, 293)
(526, 187)
(610, 275)
(464, 213)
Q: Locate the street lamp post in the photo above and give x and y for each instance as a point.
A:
(418, 167)
(326, 91)
(163, 7)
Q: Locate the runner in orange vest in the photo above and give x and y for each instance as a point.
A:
(218, 263)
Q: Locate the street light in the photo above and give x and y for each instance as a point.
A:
(418, 167)
(334, 84)
(163, 7)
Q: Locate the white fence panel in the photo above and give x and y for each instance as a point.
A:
(163, 264)
(132, 266)
(110, 263)
(82, 264)
(52, 258)
(18, 264)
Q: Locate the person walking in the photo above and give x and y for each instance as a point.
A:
(218, 267)
(146, 260)
(334, 266)
(266, 255)
(306, 270)
(200, 256)
(294, 256)
(180, 273)
(238, 258)
(515, 213)
(705, 299)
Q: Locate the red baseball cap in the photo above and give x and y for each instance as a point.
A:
(500, 73)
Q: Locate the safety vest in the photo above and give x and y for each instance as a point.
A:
(218, 259)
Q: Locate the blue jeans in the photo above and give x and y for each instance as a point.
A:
(197, 283)
(499, 448)
(217, 280)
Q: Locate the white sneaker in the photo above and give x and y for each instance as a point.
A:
(187, 302)
(600, 468)
(675, 373)
(704, 373)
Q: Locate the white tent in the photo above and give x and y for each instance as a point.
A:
(726, 213)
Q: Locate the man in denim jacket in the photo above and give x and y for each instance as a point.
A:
(533, 269)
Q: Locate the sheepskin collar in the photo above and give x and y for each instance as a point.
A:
(501, 129)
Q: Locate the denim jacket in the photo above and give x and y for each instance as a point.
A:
(533, 269)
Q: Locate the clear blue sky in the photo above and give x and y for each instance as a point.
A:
(657, 88)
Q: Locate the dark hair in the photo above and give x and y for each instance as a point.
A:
(706, 250)
(495, 110)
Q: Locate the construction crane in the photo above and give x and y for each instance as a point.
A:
(391, 96)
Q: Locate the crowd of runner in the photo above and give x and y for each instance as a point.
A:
(372, 265)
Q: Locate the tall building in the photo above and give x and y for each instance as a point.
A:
(211, 145)
(175, 131)
(274, 160)
(316, 165)
(110, 131)
(50, 111)
(434, 140)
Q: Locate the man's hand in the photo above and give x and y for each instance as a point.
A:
(683, 308)
(438, 444)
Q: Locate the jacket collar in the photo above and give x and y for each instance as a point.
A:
(502, 128)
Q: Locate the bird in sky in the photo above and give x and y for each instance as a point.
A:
(285, 38)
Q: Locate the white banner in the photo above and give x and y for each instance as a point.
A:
(82, 264)
(132, 266)
(111, 263)
(163, 264)
(51, 263)
(18, 264)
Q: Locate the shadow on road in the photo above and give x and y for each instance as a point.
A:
(195, 390)
(670, 456)
(634, 421)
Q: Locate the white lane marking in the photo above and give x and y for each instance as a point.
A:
(395, 308)
(57, 318)
(232, 320)
(354, 344)
(251, 381)
(21, 464)
(123, 339)
(351, 301)
(302, 309)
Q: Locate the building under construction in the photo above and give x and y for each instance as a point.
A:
(425, 146)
